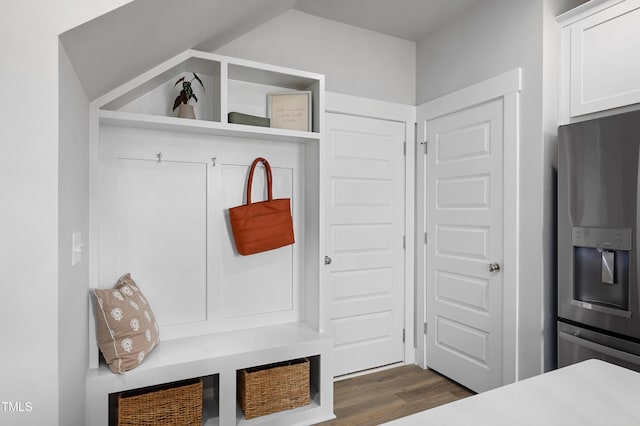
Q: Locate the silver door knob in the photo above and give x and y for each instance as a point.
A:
(327, 260)
(494, 267)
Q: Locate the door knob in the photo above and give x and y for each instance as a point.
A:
(494, 267)
(327, 260)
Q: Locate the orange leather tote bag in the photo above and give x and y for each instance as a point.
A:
(265, 225)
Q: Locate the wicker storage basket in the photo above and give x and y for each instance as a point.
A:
(272, 388)
(178, 405)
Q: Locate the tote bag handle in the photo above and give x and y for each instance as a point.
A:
(267, 170)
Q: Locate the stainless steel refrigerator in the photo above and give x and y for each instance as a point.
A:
(598, 223)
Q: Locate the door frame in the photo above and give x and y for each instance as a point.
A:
(506, 86)
(371, 108)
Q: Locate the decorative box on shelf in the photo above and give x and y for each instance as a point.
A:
(250, 120)
(272, 388)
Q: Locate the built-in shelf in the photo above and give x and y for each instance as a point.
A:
(223, 354)
(274, 418)
(175, 124)
(231, 85)
(199, 349)
(223, 331)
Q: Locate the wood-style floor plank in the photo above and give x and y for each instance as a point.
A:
(386, 395)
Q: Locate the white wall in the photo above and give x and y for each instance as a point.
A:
(354, 61)
(550, 91)
(73, 210)
(29, 200)
(492, 38)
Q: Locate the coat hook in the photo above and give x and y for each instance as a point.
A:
(213, 161)
(159, 157)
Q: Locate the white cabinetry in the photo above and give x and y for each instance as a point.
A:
(161, 189)
(600, 57)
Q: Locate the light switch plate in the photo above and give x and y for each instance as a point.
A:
(76, 248)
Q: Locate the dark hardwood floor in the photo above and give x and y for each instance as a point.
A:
(390, 394)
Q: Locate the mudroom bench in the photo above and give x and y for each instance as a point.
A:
(217, 358)
(189, 173)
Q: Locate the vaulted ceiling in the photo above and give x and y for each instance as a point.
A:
(407, 19)
(114, 48)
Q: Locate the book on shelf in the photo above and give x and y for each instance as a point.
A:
(251, 120)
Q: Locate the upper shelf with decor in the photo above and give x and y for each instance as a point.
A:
(228, 96)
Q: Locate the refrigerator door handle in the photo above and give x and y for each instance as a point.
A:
(625, 356)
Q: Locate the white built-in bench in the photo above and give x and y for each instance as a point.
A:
(223, 354)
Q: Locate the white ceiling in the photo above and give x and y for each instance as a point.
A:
(407, 19)
(118, 46)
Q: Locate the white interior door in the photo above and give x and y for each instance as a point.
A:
(464, 249)
(365, 218)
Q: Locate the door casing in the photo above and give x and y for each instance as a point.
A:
(506, 86)
(366, 107)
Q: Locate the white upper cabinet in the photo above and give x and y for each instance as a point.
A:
(600, 57)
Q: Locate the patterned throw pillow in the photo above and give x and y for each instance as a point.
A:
(126, 326)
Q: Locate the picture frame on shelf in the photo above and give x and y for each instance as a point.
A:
(290, 110)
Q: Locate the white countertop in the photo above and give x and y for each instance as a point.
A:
(592, 392)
